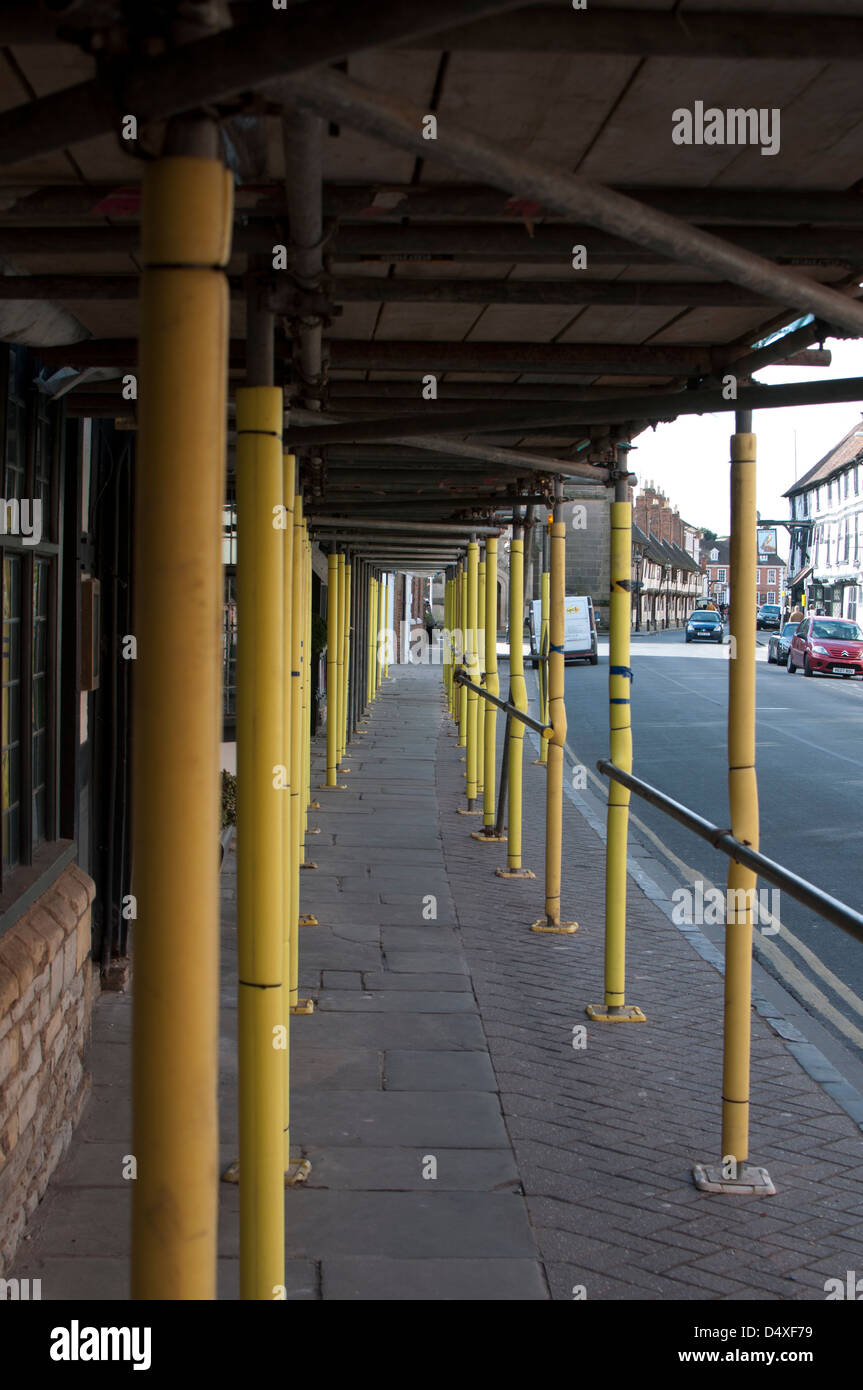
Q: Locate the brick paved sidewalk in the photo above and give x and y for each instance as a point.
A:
(448, 1038)
(605, 1137)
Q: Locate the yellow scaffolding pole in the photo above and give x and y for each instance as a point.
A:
(472, 666)
(291, 896)
(555, 589)
(370, 654)
(734, 1173)
(385, 594)
(261, 747)
(340, 663)
(492, 685)
(518, 697)
(743, 800)
(445, 643)
(544, 648)
(378, 665)
(301, 663)
(335, 569)
(481, 659)
(620, 738)
(346, 657)
(615, 1009)
(454, 694)
(306, 803)
(332, 668)
(299, 787)
(179, 480)
(463, 647)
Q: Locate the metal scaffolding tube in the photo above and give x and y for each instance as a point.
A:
(332, 95)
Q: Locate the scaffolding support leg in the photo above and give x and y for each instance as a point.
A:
(490, 832)
(555, 590)
(734, 1173)
(518, 697)
(263, 1013)
(615, 1009)
(180, 479)
(472, 666)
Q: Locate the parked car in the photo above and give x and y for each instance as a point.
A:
(768, 615)
(832, 646)
(704, 623)
(777, 647)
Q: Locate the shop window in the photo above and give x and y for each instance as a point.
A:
(29, 569)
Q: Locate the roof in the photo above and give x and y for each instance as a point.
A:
(684, 559)
(723, 546)
(436, 263)
(842, 455)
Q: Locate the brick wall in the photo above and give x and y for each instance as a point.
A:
(46, 995)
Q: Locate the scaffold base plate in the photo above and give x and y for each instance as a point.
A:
(562, 928)
(751, 1181)
(303, 1006)
(515, 873)
(489, 839)
(309, 864)
(461, 811)
(313, 830)
(313, 806)
(615, 1013)
(307, 919)
(339, 787)
(297, 1171)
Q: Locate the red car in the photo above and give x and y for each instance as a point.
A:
(833, 646)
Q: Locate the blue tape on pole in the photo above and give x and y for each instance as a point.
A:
(620, 702)
(554, 648)
(621, 671)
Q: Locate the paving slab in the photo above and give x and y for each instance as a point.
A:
(382, 1030)
(429, 980)
(372, 1168)
(420, 1225)
(422, 1001)
(438, 1071)
(400, 962)
(371, 1277)
(332, 1068)
(385, 1118)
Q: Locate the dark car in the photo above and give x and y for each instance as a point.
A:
(832, 646)
(777, 647)
(704, 623)
(768, 615)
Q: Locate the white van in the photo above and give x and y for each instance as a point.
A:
(579, 632)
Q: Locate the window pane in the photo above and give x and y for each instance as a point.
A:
(41, 583)
(10, 671)
(46, 425)
(40, 805)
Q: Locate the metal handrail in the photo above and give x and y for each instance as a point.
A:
(508, 708)
(804, 892)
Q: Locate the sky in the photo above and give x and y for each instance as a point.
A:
(688, 460)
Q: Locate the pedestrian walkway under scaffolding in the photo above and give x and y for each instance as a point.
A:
(467, 1140)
